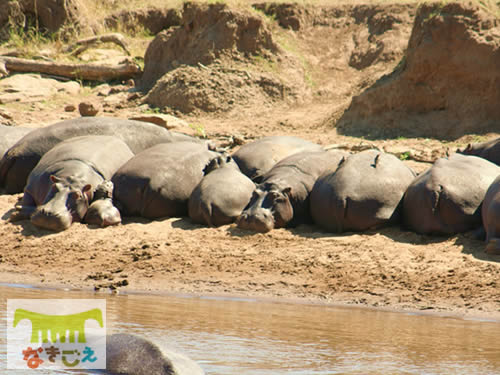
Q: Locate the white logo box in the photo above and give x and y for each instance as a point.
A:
(56, 334)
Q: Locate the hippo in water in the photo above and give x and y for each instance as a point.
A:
(129, 354)
(101, 211)
(21, 158)
(489, 150)
(159, 181)
(363, 193)
(490, 212)
(282, 198)
(9, 135)
(446, 199)
(62, 184)
(221, 195)
(258, 157)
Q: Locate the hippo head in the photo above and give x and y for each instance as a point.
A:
(267, 209)
(63, 205)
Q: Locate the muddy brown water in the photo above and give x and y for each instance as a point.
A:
(250, 337)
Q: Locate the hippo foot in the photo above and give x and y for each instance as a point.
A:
(493, 246)
(21, 213)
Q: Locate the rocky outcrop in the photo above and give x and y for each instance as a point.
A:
(447, 85)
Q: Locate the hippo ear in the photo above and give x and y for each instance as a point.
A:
(87, 192)
(287, 191)
(54, 178)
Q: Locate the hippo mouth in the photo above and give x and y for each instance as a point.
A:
(255, 223)
(52, 221)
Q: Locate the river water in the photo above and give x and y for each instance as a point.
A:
(250, 337)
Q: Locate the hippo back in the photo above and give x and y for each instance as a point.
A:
(133, 355)
(258, 157)
(22, 157)
(221, 195)
(363, 193)
(489, 150)
(9, 135)
(158, 181)
(446, 199)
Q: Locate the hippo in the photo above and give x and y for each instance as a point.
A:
(101, 211)
(158, 182)
(256, 158)
(489, 150)
(21, 158)
(490, 213)
(446, 199)
(363, 193)
(9, 135)
(282, 198)
(62, 184)
(221, 195)
(129, 354)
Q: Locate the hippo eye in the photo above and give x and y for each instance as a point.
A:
(75, 195)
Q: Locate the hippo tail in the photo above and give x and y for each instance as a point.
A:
(206, 213)
(5, 165)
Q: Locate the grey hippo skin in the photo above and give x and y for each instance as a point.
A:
(282, 198)
(62, 184)
(489, 150)
(20, 159)
(490, 213)
(258, 157)
(159, 181)
(101, 211)
(221, 195)
(446, 199)
(128, 354)
(363, 193)
(9, 135)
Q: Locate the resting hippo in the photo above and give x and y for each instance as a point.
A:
(101, 211)
(21, 158)
(128, 354)
(9, 135)
(258, 157)
(221, 195)
(490, 212)
(363, 193)
(282, 198)
(446, 199)
(61, 185)
(158, 181)
(489, 150)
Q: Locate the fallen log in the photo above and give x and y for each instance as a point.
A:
(88, 72)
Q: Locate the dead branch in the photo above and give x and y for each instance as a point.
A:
(90, 72)
(86, 43)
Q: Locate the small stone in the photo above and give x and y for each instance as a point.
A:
(70, 108)
(88, 109)
(165, 121)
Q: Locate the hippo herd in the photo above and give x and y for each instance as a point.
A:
(96, 170)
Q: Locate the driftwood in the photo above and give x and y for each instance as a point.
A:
(90, 72)
(86, 43)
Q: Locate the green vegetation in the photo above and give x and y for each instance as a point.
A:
(199, 130)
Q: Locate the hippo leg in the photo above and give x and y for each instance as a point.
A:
(493, 246)
(24, 209)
